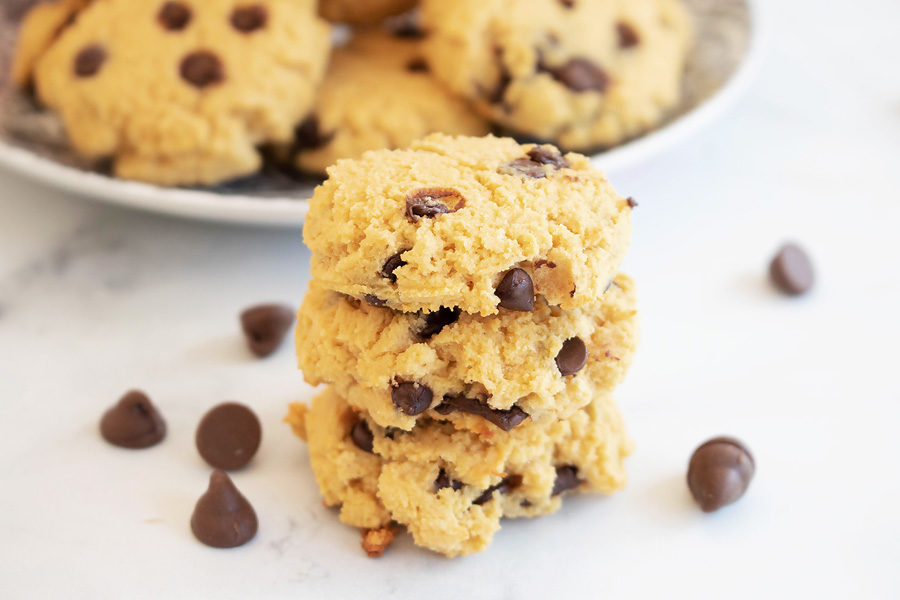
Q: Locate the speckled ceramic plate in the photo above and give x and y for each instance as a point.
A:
(719, 69)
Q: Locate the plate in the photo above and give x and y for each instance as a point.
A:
(719, 69)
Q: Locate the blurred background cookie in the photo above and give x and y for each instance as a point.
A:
(362, 11)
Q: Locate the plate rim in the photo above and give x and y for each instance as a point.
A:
(278, 211)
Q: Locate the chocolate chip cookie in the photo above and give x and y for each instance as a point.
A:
(180, 91)
(41, 26)
(585, 74)
(450, 488)
(484, 374)
(378, 93)
(362, 11)
(479, 224)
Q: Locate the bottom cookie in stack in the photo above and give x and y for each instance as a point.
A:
(450, 487)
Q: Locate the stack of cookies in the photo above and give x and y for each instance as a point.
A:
(468, 316)
(184, 92)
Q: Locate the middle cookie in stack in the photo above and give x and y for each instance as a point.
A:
(467, 312)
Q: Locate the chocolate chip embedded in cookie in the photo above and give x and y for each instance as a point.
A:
(212, 95)
(471, 218)
(583, 75)
(484, 374)
(450, 488)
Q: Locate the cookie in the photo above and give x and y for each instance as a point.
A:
(450, 488)
(478, 224)
(485, 374)
(378, 93)
(42, 25)
(180, 92)
(362, 11)
(585, 74)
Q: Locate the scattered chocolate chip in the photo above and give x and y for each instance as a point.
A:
(202, 69)
(373, 300)
(308, 135)
(411, 398)
(443, 481)
(174, 16)
(265, 327)
(248, 19)
(506, 420)
(566, 479)
(580, 75)
(628, 36)
(791, 270)
(222, 517)
(431, 202)
(572, 357)
(506, 485)
(228, 436)
(719, 472)
(89, 61)
(392, 264)
(631, 202)
(516, 291)
(418, 65)
(362, 436)
(548, 155)
(133, 422)
(436, 321)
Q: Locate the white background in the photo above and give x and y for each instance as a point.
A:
(95, 300)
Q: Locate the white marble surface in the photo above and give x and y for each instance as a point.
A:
(95, 300)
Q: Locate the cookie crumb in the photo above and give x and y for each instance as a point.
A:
(376, 541)
(296, 418)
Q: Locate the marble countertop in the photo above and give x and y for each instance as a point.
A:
(95, 300)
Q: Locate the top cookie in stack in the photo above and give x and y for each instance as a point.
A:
(183, 92)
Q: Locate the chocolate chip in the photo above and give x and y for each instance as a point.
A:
(409, 29)
(572, 357)
(719, 472)
(308, 135)
(392, 264)
(431, 202)
(202, 69)
(222, 517)
(436, 321)
(411, 398)
(506, 485)
(631, 202)
(373, 300)
(444, 481)
(174, 16)
(90, 60)
(628, 36)
(362, 436)
(548, 155)
(506, 420)
(133, 422)
(580, 75)
(418, 65)
(567, 3)
(248, 19)
(265, 327)
(532, 165)
(228, 436)
(516, 291)
(504, 79)
(566, 479)
(791, 270)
